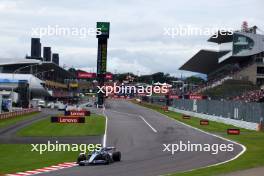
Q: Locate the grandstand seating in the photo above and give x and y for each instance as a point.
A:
(251, 96)
(229, 88)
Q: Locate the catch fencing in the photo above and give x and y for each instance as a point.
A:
(249, 112)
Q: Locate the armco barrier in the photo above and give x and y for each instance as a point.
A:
(240, 114)
(237, 123)
(19, 112)
(249, 112)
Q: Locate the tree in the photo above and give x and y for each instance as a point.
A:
(194, 80)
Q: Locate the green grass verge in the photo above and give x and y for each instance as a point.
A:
(10, 121)
(18, 157)
(254, 141)
(94, 125)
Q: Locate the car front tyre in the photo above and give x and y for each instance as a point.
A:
(116, 156)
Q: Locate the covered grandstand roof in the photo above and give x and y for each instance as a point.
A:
(9, 61)
(19, 62)
(205, 61)
(221, 37)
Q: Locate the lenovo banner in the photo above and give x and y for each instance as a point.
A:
(68, 119)
(108, 76)
(233, 131)
(196, 97)
(86, 75)
(77, 113)
(174, 97)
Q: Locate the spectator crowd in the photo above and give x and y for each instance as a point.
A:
(251, 96)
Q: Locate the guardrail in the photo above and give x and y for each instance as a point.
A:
(17, 113)
(242, 114)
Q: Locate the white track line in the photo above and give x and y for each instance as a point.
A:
(153, 129)
(105, 133)
(244, 148)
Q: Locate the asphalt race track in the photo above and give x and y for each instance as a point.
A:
(139, 134)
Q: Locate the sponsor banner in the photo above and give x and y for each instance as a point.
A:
(165, 108)
(86, 75)
(196, 97)
(233, 131)
(77, 113)
(108, 76)
(174, 97)
(204, 122)
(186, 116)
(73, 85)
(68, 119)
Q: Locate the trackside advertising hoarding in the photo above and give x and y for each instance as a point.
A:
(174, 97)
(77, 113)
(86, 75)
(68, 119)
(195, 97)
(108, 76)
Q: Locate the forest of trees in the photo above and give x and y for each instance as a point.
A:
(149, 79)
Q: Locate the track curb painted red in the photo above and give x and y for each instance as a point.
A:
(45, 169)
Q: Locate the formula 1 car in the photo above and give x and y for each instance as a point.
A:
(105, 155)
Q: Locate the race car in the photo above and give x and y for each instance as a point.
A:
(105, 155)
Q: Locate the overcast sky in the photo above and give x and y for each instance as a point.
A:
(137, 40)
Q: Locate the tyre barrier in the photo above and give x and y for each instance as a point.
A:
(7, 115)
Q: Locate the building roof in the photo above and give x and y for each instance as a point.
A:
(43, 67)
(10, 61)
(221, 37)
(205, 61)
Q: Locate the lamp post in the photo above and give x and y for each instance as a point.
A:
(13, 74)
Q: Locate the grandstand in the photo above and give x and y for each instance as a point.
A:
(240, 64)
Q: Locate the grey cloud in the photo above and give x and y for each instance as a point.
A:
(136, 35)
